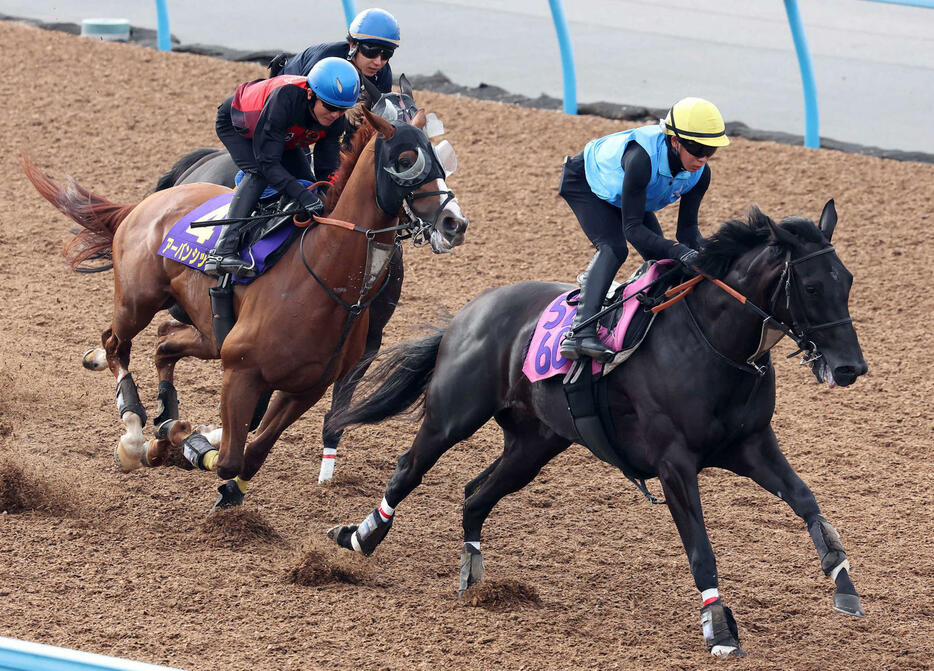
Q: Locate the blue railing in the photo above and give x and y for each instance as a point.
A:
(811, 121)
(18, 655)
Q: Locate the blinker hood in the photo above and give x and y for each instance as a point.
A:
(392, 184)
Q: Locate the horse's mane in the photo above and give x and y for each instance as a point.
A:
(350, 153)
(736, 237)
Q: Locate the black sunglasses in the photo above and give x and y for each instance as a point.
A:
(373, 50)
(696, 149)
(333, 108)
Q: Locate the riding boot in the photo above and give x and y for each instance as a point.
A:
(596, 281)
(226, 258)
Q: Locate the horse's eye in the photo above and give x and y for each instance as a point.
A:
(812, 288)
(405, 162)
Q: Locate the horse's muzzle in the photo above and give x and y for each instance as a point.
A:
(844, 376)
(453, 228)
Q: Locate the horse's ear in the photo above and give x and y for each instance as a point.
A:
(372, 92)
(405, 88)
(386, 129)
(828, 219)
(781, 236)
(420, 119)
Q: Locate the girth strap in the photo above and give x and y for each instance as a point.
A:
(587, 402)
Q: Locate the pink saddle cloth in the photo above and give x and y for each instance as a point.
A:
(544, 360)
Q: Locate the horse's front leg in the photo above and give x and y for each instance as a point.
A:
(239, 395)
(380, 311)
(679, 482)
(760, 459)
(284, 410)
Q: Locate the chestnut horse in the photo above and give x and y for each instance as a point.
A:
(294, 332)
(178, 340)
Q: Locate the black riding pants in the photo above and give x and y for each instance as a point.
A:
(601, 221)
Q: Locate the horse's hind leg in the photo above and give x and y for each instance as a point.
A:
(137, 298)
(176, 341)
(760, 459)
(380, 312)
(528, 447)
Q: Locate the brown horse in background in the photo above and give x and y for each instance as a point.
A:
(293, 333)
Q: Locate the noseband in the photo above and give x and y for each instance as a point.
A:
(420, 229)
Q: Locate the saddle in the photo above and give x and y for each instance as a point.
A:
(262, 243)
(623, 328)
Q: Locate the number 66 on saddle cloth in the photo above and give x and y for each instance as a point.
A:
(627, 328)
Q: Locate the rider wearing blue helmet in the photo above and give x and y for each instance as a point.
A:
(265, 125)
(372, 38)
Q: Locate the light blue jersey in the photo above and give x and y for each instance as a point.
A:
(602, 163)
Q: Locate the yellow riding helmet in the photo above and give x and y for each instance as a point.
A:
(697, 120)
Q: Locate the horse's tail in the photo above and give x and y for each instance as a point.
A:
(397, 383)
(98, 216)
(170, 178)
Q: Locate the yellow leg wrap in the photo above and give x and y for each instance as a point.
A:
(210, 459)
(242, 484)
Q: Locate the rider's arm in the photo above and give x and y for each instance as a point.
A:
(638, 173)
(284, 108)
(688, 232)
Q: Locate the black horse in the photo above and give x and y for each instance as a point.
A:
(215, 166)
(686, 399)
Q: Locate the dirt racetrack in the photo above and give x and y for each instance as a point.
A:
(582, 572)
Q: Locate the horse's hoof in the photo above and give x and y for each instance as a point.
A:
(471, 568)
(849, 604)
(727, 651)
(124, 460)
(157, 451)
(230, 496)
(94, 359)
(342, 535)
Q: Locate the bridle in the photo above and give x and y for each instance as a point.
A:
(800, 330)
(801, 326)
(420, 229)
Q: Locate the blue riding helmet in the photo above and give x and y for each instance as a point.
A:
(375, 25)
(335, 81)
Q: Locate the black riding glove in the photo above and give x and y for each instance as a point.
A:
(686, 257)
(311, 203)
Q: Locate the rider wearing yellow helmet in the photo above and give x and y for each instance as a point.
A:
(617, 183)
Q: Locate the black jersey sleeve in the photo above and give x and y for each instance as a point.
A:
(688, 232)
(637, 167)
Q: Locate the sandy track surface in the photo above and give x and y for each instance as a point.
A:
(582, 572)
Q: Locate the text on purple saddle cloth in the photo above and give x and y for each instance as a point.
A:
(191, 246)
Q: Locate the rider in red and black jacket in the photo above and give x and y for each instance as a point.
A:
(265, 125)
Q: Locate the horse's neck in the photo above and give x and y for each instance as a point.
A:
(733, 328)
(357, 203)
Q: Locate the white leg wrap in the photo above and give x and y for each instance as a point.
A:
(355, 542)
(385, 510)
(474, 544)
(707, 594)
(845, 564)
(328, 457)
